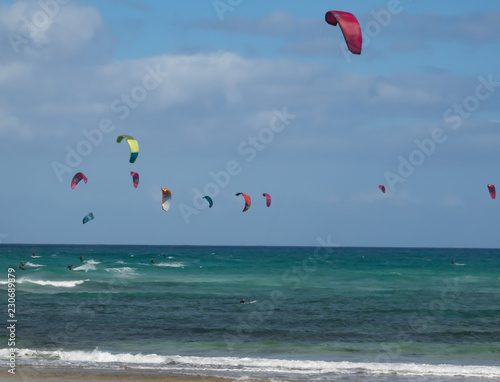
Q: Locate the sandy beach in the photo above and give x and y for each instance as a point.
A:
(29, 374)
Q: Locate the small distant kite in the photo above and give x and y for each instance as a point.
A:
(247, 200)
(350, 28)
(382, 188)
(209, 200)
(88, 218)
(77, 178)
(491, 189)
(134, 146)
(268, 199)
(166, 198)
(135, 178)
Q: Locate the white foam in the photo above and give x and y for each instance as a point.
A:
(86, 267)
(173, 265)
(28, 264)
(262, 365)
(59, 284)
(124, 271)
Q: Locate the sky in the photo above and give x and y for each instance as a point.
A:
(229, 96)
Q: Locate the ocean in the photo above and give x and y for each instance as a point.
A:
(312, 314)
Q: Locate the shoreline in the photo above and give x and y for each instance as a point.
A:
(53, 374)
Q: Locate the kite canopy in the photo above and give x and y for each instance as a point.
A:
(88, 218)
(350, 28)
(135, 178)
(247, 200)
(382, 188)
(209, 200)
(134, 146)
(268, 199)
(166, 197)
(491, 189)
(77, 178)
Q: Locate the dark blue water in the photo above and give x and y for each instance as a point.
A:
(315, 313)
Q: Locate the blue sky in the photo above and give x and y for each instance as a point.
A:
(230, 96)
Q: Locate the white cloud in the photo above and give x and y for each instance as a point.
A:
(37, 30)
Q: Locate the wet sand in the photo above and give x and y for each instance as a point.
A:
(30, 374)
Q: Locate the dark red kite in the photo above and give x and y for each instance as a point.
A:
(491, 189)
(382, 188)
(268, 199)
(135, 178)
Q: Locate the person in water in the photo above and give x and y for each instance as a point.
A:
(153, 261)
(243, 301)
(81, 259)
(70, 267)
(21, 266)
(33, 254)
(453, 261)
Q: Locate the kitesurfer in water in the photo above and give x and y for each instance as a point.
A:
(33, 254)
(21, 266)
(153, 261)
(452, 261)
(81, 259)
(243, 301)
(70, 267)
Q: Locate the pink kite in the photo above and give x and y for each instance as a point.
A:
(135, 178)
(77, 178)
(382, 188)
(350, 28)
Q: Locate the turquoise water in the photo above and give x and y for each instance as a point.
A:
(331, 314)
